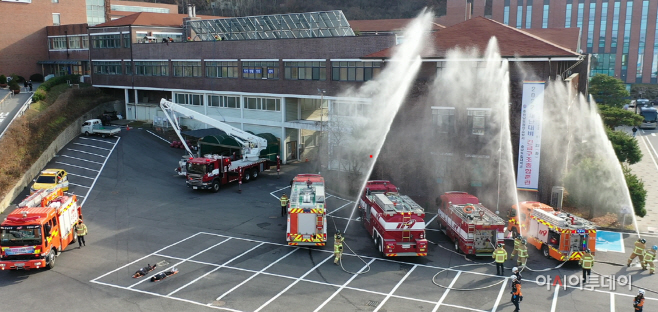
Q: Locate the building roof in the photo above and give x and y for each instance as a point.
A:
(151, 19)
(565, 37)
(477, 31)
(386, 25)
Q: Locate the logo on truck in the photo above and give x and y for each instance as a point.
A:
(409, 224)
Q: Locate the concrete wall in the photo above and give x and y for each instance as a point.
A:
(70, 133)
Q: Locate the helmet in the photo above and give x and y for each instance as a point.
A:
(654, 247)
(513, 277)
(588, 251)
(500, 245)
(520, 237)
(338, 232)
(514, 269)
(524, 241)
(643, 241)
(641, 291)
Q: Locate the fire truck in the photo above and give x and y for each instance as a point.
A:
(559, 235)
(474, 229)
(307, 214)
(38, 230)
(395, 222)
(519, 219)
(212, 171)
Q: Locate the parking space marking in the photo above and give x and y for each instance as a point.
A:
(445, 294)
(394, 289)
(554, 303)
(97, 140)
(80, 159)
(256, 274)
(88, 153)
(92, 146)
(500, 295)
(430, 221)
(61, 163)
(339, 208)
(81, 176)
(78, 185)
(99, 171)
(213, 270)
(612, 302)
(181, 262)
(157, 136)
(279, 190)
(343, 286)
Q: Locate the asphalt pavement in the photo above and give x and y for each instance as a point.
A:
(230, 250)
(647, 170)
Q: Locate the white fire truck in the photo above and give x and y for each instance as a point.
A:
(474, 229)
(395, 222)
(560, 235)
(307, 214)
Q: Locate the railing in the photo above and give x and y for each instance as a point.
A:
(20, 112)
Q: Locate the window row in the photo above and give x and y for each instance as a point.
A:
(227, 101)
(107, 68)
(74, 42)
(444, 120)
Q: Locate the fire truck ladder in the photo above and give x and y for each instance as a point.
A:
(406, 231)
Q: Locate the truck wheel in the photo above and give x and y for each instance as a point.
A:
(254, 174)
(215, 186)
(544, 251)
(86, 133)
(457, 245)
(50, 260)
(380, 246)
(103, 135)
(246, 178)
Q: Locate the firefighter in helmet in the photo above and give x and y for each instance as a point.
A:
(284, 205)
(638, 302)
(517, 243)
(649, 257)
(522, 254)
(586, 262)
(638, 251)
(500, 255)
(338, 247)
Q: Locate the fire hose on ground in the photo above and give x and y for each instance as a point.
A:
(340, 260)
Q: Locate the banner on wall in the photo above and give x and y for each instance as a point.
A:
(530, 135)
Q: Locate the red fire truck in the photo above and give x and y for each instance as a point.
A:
(474, 229)
(395, 222)
(307, 222)
(38, 230)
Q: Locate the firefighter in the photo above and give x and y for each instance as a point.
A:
(500, 255)
(338, 247)
(586, 262)
(649, 257)
(81, 231)
(517, 244)
(284, 205)
(517, 273)
(522, 254)
(517, 296)
(638, 252)
(638, 302)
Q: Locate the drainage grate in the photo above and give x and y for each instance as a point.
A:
(372, 303)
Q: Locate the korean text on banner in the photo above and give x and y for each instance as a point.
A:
(530, 135)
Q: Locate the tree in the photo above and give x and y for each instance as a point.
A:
(636, 190)
(626, 147)
(614, 117)
(583, 184)
(608, 90)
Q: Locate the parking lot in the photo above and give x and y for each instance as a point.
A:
(231, 254)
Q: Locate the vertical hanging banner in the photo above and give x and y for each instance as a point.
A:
(530, 135)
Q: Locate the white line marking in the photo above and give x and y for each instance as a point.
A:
(142, 258)
(351, 201)
(61, 163)
(343, 286)
(653, 134)
(435, 230)
(381, 304)
(612, 300)
(157, 136)
(279, 190)
(460, 307)
(430, 221)
(88, 153)
(645, 140)
(76, 158)
(78, 185)
(293, 284)
(77, 175)
(99, 171)
(339, 208)
(500, 295)
(97, 140)
(445, 294)
(554, 304)
(181, 262)
(254, 275)
(213, 270)
(92, 146)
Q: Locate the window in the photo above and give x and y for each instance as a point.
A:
(221, 69)
(547, 9)
(132, 8)
(262, 104)
(439, 67)
(74, 42)
(126, 40)
(344, 109)
(615, 25)
(186, 68)
(55, 19)
(627, 26)
(567, 18)
(189, 99)
(654, 64)
(57, 43)
(107, 67)
(506, 14)
(443, 118)
(519, 13)
(305, 70)
(643, 39)
(528, 14)
(152, 68)
(106, 41)
(590, 25)
(224, 101)
(95, 12)
(55, 1)
(579, 20)
(176, 37)
(604, 63)
(478, 120)
(260, 70)
(128, 65)
(604, 23)
(354, 71)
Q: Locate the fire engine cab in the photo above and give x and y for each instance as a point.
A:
(474, 229)
(307, 222)
(38, 230)
(395, 222)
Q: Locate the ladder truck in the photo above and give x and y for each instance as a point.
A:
(212, 171)
(307, 214)
(395, 222)
(474, 229)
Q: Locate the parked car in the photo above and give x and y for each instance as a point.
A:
(49, 179)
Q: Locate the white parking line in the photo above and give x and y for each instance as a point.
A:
(80, 159)
(341, 287)
(554, 304)
(339, 208)
(645, 140)
(92, 146)
(213, 270)
(445, 294)
(500, 295)
(381, 304)
(430, 221)
(254, 275)
(612, 300)
(101, 170)
(157, 136)
(88, 153)
(348, 200)
(61, 163)
(279, 190)
(97, 140)
(78, 185)
(81, 176)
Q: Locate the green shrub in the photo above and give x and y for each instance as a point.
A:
(636, 190)
(13, 85)
(17, 78)
(36, 78)
(3, 79)
(57, 80)
(39, 95)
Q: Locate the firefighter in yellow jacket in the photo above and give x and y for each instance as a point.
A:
(500, 255)
(638, 251)
(517, 244)
(649, 257)
(338, 247)
(522, 254)
(586, 262)
(284, 205)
